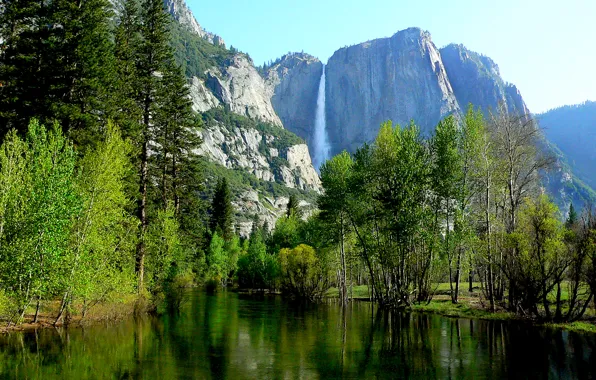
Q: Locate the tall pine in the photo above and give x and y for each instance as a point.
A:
(222, 213)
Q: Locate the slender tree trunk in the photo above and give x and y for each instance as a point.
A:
(140, 264)
(37, 310)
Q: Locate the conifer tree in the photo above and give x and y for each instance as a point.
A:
(293, 208)
(56, 73)
(222, 213)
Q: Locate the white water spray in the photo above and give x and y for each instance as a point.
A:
(321, 146)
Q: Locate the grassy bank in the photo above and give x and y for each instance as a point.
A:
(48, 311)
(470, 306)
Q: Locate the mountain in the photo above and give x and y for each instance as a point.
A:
(476, 80)
(244, 139)
(403, 78)
(573, 130)
(259, 122)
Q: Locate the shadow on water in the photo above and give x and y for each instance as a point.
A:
(227, 335)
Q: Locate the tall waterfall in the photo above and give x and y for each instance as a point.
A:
(321, 146)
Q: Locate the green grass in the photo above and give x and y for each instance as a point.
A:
(462, 309)
(468, 307)
(579, 326)
(358, 292)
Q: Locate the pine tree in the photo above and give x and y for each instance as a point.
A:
(56, 73)
(571, 217)
(222, 213)
(153, 54)
(23, 68)
(127, 108)
(177, 137)
(293, 208)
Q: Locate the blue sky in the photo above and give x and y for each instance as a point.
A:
(546, 47)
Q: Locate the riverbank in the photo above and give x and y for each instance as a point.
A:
(48, 312)
(470, 306)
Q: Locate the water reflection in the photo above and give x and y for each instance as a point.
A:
(232, 336)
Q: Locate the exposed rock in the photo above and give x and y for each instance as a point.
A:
(240, 86)
(202, 99)
(293, 84)
(401, 78)
(181, 13)
(250, 150)
(476, 80)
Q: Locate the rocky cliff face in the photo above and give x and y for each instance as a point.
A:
(401, 78)
(238, 85)
(256, 152)
(181, 13)
(293, 84)
(476, 80)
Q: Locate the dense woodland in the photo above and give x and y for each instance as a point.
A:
(101, 191)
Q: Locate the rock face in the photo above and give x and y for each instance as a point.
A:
(476, 80)
(180, 12)
(573, 130)
(239, 85)
(401, 78)
(293, 84)
(202, 99)
(254, 151)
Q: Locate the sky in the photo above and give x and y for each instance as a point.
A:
(547, 48)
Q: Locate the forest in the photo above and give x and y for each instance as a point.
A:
(101, 191)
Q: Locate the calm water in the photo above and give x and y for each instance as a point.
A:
(231, 336)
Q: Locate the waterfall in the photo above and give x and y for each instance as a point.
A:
(321, 146)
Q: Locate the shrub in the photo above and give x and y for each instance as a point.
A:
(303, 273)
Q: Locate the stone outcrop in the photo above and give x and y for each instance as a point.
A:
(400, 78)
(181, 13)
(293, 84)
(476, 80)
(239, 85)
(254, 151)
(202, 99)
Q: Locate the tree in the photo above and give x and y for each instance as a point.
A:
(447, 179)
(293, 208)
(571, 217)
(153, 56)
(56, 73)
(222, 212)
(37, 222)
(520, 162)
(335, 177)
(100, 260)
(303, 273)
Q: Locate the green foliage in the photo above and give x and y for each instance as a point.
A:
(38, 219)
(222, 213)
(257, 269)
(194, 54)
(104, 235)
(303, 273)
(166, 260)
(293, 207)
(286, 234)
(283, 138)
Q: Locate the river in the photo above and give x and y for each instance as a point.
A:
(228, 335)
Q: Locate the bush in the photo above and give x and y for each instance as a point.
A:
(303, 273)
(257, 269)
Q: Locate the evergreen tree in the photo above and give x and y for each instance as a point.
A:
(56, 73)
(127, 107)
(153, 55)
(293, 208)
(571, 217)
(222, 213)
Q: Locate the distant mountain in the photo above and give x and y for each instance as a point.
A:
(402, 78)
(573, 130)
